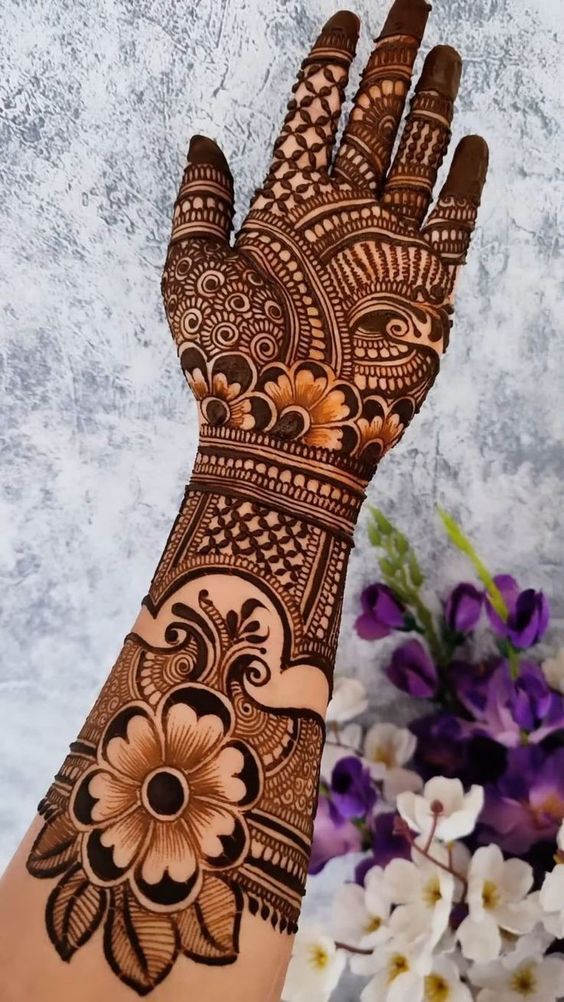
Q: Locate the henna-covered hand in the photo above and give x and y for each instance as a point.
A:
(324, 325)
(185, 806)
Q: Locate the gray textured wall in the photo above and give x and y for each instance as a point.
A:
(98, 430)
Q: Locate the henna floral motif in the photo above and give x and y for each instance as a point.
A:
(187, 800)
(166, 801)
(168, 813)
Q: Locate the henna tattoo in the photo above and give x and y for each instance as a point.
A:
(189, 795)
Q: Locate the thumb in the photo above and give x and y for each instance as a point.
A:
(204, 206)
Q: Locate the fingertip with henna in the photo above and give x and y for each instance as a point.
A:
(346, 21)
(204, 151)
(407, 17)
(467, 174)
(441, 71)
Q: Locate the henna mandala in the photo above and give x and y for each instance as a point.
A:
(187, 800)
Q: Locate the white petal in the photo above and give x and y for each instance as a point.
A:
(517, 879)
(450, 792)
(349, 700)
(518, 917)
(480, 941)
(397, 781)
(376, 900)
(552, 890)
(350, 918)
(401, 881)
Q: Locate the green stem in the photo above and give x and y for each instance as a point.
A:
(462, 542)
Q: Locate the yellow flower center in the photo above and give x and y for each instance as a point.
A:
(524, 982)
(398, 965)
(432, 892)
(318, 957)
(490, 895)
(383, 755)
(436, 988)
(373, 924)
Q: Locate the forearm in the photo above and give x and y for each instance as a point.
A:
(239, 627)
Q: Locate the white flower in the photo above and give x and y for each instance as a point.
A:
(386, 749)
(315, 967)
(395, 980)
(497, 900)
(360, 915)
(520, 979)
(424, 894)
(443, 810)
(341, 742)
(560, 838)
(551, 900)
(349, 700)
(394, 976)
(553, 669)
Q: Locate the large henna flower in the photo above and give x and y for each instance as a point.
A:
(312, 405)
(166, 801)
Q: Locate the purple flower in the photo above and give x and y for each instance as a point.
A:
(511, 707)
(471, 682)
(526, 805)
(353, 793)
(387, 844)
(412, 670)
(441, 745)
(535, 707)
(463, 607)
(447, 746)
(382, 612)
(528, 613)
(331, 837)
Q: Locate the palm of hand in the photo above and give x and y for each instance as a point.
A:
(325, 324)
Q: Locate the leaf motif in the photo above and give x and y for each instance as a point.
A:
(54, 849)
(74, 911)
(209, 929)
(140, 946)
(231, 622)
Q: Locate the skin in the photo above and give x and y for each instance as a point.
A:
(309, 343)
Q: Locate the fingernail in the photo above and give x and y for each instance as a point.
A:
(469, 168)
(204, 151)
(344, 20)
(407, 17)
(441, 71)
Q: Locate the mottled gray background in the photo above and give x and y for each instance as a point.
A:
(98, 433)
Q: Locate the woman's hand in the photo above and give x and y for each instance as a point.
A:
(324, 325)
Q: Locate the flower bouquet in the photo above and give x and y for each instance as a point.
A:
(455, 821)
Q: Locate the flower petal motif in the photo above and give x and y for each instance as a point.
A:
(312, 404)
(167, 798)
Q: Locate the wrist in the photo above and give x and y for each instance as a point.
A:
(288, 476)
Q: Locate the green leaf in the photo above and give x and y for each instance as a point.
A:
(382, 523)
(415, 572)
(401, 543)
(388, 567)
(462, 543)
(373, 535)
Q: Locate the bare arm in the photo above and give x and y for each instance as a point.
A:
(173, 844)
